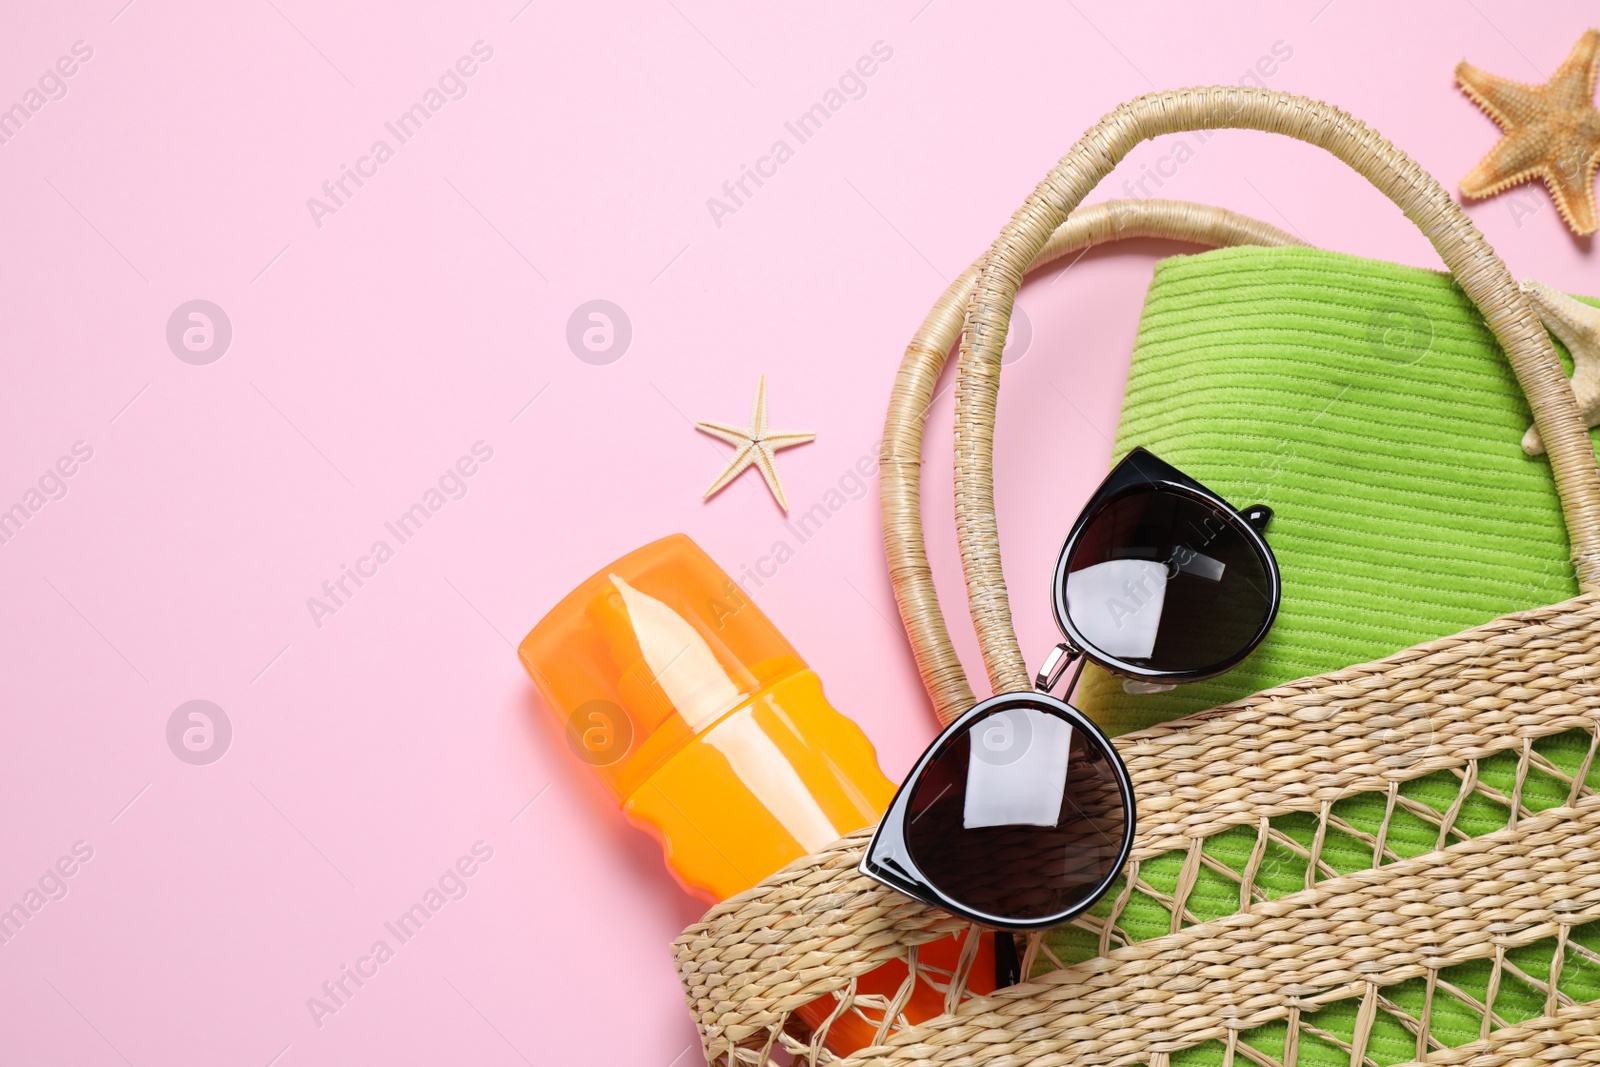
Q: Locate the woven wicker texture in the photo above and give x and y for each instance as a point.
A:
(1510, 711)
(1453, 706)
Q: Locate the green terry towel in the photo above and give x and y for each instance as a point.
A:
(1370, 407)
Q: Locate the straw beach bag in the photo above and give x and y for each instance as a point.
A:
(1411, 846)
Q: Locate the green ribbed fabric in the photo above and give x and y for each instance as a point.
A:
(1370, 407)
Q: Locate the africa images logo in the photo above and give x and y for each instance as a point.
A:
(453, 484)
(451, 85)
(51, 86)
(453, 884)
(52, 886)
(199, 332)
(738, 191)
(199, 732)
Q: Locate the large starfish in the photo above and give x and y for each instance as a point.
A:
(1576, 325)
(754, 444)
(1552, 132)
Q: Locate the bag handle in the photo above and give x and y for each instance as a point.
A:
(1475, 266)
(900, 464)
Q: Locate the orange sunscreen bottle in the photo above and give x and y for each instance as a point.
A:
(717, 740)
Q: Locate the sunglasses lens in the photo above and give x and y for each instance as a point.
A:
(1020, 816)
(1168, 582)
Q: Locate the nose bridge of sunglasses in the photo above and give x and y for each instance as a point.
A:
(1056, 664)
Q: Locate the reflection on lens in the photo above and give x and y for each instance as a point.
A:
(1020, 816)
(1168, 582)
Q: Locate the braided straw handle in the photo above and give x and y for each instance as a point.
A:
(810, 930)
(901, 462)
(1476, 268)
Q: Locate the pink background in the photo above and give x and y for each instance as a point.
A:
(371, 352)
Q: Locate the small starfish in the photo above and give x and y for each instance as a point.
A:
(1552, 132)
(753, 444)
(1576, 325)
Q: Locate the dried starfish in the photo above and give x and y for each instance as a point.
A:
(1576, 325)
(754, 444)
(1552, 132)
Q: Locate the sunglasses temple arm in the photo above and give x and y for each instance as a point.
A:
(1007, 967)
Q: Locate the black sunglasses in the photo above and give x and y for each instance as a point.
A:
(1020, 815)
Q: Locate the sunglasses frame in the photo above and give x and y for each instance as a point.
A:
(888, 859)
(1142, 470)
